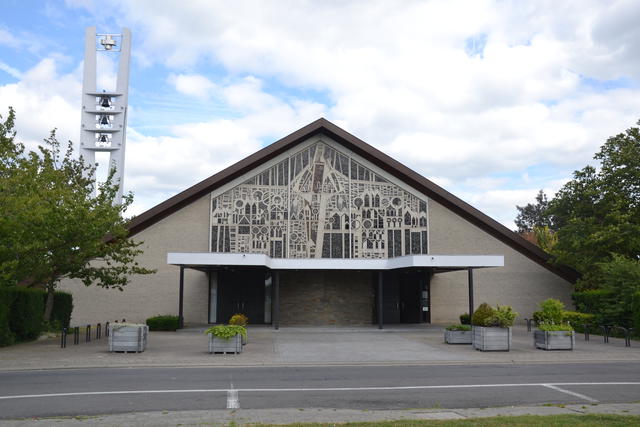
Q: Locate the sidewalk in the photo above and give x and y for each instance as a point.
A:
(415, 344)
(313, 415)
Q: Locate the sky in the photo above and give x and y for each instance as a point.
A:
(492, 100)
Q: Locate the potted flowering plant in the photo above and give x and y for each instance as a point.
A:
(240, 319)
(226, 338)
(492, 327)
(553, 332)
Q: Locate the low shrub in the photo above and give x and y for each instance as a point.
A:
(550, 327)
(503, 317)
(239, 319)
(166, 322)
(537, 316)
(227, 331)
(465, 319)
(459, 328)
(482, 313)
(25, 318)
(550, 311)
(576, 319)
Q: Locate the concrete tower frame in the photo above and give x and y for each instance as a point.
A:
(104, 114)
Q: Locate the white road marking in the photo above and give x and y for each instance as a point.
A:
(278, 390)
(232, 398)
(572, 393)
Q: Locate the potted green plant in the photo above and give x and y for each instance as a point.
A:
(240, 319)
(553, 332)
(226, 338)
(458, 334)
(128, 337)
(492, 327)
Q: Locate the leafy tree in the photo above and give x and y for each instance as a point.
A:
(532, 216)
(597, 213)
(53, 226)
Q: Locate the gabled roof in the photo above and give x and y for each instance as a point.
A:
(391, 166)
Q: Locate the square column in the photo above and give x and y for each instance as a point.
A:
(275, 317)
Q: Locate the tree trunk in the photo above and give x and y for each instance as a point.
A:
(48, 307)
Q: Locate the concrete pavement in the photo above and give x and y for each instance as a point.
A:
(415, 344)
(313, 415)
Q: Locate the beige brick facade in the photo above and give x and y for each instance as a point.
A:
(319, 297)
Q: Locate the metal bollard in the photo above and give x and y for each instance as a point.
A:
(98, 331)
(627, 335)
(106, 330)
(76, 335)
(87, 334)
(63, 338)
(586, 332)
(528, 324)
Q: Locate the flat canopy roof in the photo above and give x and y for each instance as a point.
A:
(213, 259)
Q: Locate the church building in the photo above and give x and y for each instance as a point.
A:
(320, 228)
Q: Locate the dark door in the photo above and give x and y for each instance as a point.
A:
(401, 297)
(390, 298)
(241, 291)
(409, 296)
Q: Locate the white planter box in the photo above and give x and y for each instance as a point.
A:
(458, 337)
(128, 338)
(491, 339)
(221, 345)
(554, 340)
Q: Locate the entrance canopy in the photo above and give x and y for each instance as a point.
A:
(437, 263)
(445, 262)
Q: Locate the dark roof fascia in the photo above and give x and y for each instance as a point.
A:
(204, 187)
(375, 156)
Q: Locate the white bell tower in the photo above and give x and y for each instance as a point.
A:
(104, 114)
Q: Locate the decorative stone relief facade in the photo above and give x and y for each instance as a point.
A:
(319, 203)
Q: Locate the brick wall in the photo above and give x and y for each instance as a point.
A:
(326, 298)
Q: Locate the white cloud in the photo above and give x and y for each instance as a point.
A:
(193, 85)
(402, 78)
(44, 99)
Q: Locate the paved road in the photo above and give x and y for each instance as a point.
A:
(110, 391)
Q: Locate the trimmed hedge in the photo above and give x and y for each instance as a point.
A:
(6, 300)
(635, 303)
(22, 310)
(62, 308)
(592, 300)
(27, 309)
(165, 322)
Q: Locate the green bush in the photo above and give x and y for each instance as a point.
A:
(576, 319)
(503, 317)
(635, 303)
(25, 318)
(6, 300)
(550, 311)
(552, 327)
(537, 316)
(62, 308)
(227, 331)
(482, 313)
(239, 319)
(465, 319)
(461, 327)
(165, 322)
